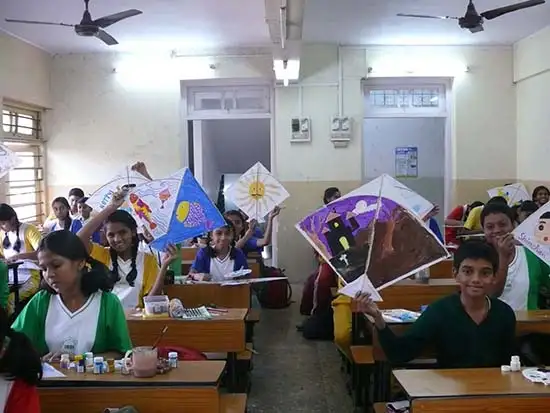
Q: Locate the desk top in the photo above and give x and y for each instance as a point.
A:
(432, 282)
(230, 314)
(466, 382)
(188, 373)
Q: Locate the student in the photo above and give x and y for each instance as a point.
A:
(63, 219)
(524, 211)
(429, 218)
(251, 239)
(134, 272)
(468, 329)
(521, 273)
(75, 312)
(19, 241)
(541, 194)
(473, 221)
(85, 214)
(455, 221)
(20, 371)
(220, 257)
(331, 194)
(74, 196)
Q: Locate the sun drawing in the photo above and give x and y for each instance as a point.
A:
(257, 193)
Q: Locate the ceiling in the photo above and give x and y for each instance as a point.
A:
(374, 22)
(170, 24)
(209, 25)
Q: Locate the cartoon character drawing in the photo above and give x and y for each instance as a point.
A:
(164, 196)
(542, 230)
(338, 234)
(142, 210)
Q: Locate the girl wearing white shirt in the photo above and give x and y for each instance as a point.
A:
(63, 220)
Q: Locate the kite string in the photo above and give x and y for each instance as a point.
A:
(371, 235)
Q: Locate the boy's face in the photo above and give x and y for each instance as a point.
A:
(474, 276)
(496, 225)
(84, 211)
(221, 238)
(73, 202)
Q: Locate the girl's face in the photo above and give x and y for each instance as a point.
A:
(84, 211)
(59, 272)
(541, 197)
(237, 223)
(60, 210)
(119, 236)
(8, 226)
(222, 238)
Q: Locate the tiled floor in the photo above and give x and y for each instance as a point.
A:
(292, 374)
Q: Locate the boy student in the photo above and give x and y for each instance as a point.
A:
(521, 273)
(468, 329)
(85, 214)
(473, 221)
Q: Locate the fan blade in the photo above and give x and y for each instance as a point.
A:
(38, 22)
(424, 16)
(493, 14)
(106, 21)
(106, 37)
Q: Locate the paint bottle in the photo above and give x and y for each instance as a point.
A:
(80, 363)
(89, 362)
(515, 363)
(173, 359)
(65, 362)
(98, 365)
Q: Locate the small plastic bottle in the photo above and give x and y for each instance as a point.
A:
(65, 362)
(173, 359)
(80, 364)
(98, 365)
(89, 357)
(515, 363)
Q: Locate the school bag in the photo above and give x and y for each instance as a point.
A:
(306, 304)
(184, 353)
(274, 294)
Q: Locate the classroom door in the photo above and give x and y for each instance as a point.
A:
(390, 146)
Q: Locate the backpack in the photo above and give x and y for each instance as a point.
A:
(275, 294)
(184, 353)
(306, 305)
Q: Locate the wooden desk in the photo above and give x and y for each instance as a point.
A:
(472, 390)
(528, 322)
(252, 264)
(412, 294)
(192, 387)
(195, 295)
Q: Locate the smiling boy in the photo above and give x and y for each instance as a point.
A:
(469, 329)
(521, 273)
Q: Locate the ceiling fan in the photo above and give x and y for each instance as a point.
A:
(473, 20)
(88, 27)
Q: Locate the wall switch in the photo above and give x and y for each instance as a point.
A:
(340, 133)
(300, 130)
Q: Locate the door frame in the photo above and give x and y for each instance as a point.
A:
(445, 112)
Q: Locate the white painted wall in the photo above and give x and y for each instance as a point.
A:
(211, 173)
(532, 74)
(24, 72)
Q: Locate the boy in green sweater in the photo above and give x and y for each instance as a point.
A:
(469, 329)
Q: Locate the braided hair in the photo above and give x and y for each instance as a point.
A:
(122, 217)
(67, 221)
(7, 213)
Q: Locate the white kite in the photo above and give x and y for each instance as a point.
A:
(513, 193)
(534, 233)
(8, 160)
(257, 192)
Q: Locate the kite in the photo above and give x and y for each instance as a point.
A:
(8, 160)
(513, 193)
(257, 192)
(534, 233)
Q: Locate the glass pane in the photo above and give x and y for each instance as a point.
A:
(26, 198)
(228, 104)
(27, 159)
(21, 188)
(6, 121)
(250, 103)
(210, 104)
(22, 175)
(27, 213)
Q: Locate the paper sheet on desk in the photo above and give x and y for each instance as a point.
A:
(50, 372)
(361, 284)
(252, 281)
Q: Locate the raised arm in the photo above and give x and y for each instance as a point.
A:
(169, 256)
(266, 240)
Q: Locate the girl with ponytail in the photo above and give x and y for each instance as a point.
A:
(19, 241)
(63, 220)
(75, 312)
(134, 273)
(20, 371)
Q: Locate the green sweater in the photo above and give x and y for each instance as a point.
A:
(4, 287)
(539, 279)
(459, 342)
(111, 334)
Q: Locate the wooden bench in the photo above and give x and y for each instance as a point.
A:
(233, 403)
(251, 319)
(363, 364)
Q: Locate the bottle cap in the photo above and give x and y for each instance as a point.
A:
(173, 354)
(515, 359)
(78, 357)
(89, 355)
(505, 368)
(98, 359)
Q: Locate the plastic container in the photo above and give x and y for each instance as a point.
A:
(156, 306)
(515, 363)
(65, 362)
(98, 365)
(80, 363)
(89, 362)
(173, 359)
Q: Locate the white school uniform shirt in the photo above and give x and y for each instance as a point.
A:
(128, 295)
(72, 333)
(23, 274)
(220, 267)
(516, 288)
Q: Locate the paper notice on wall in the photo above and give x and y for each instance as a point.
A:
(406, 162)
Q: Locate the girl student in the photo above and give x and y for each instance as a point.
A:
(75, 312)
(63, 219)
(541, 195)
(19, 241)
(220, 256)
(135, 273)
(20, 370)
(251, 239)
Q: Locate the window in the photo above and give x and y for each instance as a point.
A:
(418, 99)
(234, 100)
(24, 185)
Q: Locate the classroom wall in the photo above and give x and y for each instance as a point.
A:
(100, 123)
(532, 77)
(211, 172)
(24, 72)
